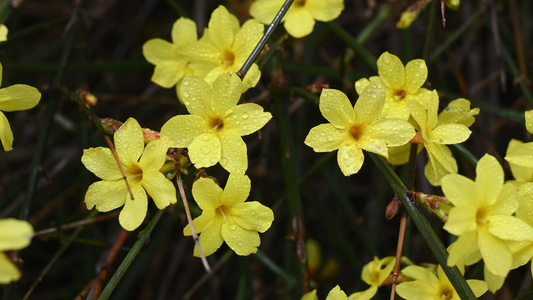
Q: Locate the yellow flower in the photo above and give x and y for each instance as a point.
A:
(520, 159)
(401, 84)
(374, 274)
(458, 111)
(435, 136)
(300, 18)
(12, 98)
(428, 286)
(14, 235)
(334, 294)
(171, 63)
(352, 130)
(482, 217)
(141, 167)
(227, 217)
(529, 120)
(3, 33)
(212, 132)
(225, 47)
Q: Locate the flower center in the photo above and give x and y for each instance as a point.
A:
(134, 174)
(216, 124)
(228, 58)
(374, 277)
(223, 211)
(356, 131)
(399, 95)
(299, 2)
(481, 216)
(446, 294)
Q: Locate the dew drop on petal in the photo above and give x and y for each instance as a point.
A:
(351, 152)
(205, 149)
(347, 162)
(245, 116)
(329, 138)
(386, 58)
(232, 227)
(185, 82)
(240, 244)
(347, 143)
(216, 144)
(126, 144)
(402, 135)
(224, 161)
(374, 95)
(187, 103)
(244, 126)
(186, 94)
(205, 138)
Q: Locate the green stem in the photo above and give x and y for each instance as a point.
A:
(454, 275)
(289, 280)
(143, 239)
(354, 44)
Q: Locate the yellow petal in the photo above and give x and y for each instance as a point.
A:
(8, 271)
(196, 95)
(361, 84)
(6, 135)
(157, 51)
(458, 189)
(205, 150)
(391, 71)
(336, 108)
(206, 193)
(507, 201)
(419, 114)
(234, 157)
(265, 10)
(529, 120)
(336, 294)
(243, 242)
(521, 155)
(247, 118)
(169, 73)
(525, 200)
(129, 141)
(418, 289)
(522, 252)
(461, 219)
(101, 162)
(3, 33)
(459, 249)
(299, 22)
(350, 158)
(510, 228)
(183, 129)
(520, 173)
(221, 26)
(227, 90)
(416, 73)
(312, 294)
(252, 216)
(14, 234)
(210, 239)
(395, 132)
(450, 134)
(155, 154)
(440, 163)
(18, 97)
(495, 253)
(201, 223)
(106, 195)
(489, 178)
(325, 138)
(246, 40)
(325, 11)
(159, 188)
(364, 295)
(494, 282)
(236, 191)
(184, 32)
(370, 104)
(134, 211)
(421, 274)
(251, 78)
(459, 112)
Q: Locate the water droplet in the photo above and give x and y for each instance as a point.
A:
(402, 135)
(329, 138)
(213, 160)
(216, 144)
(193, 98)
(351, 153)
(224, 161)
(186, 94)
(187, 103)
(244, 126)
(232, 227)
(185, 82)
(205, 149)
(205, 138)
(126, 145)
(256, 112)
(386, 58)
(347, 143)
(240, 244)
(245, 116)
(201, 155)
(347, 162)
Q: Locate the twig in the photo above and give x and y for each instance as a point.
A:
(77, 224)
(189, 219)
(114, 151)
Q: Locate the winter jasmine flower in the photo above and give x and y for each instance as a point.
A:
(374, 274)
(226, 217)
(141, 166)
(335, 294)
(14, 235)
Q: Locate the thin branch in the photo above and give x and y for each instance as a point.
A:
(189, 219)
(114, 151)
(77, 224)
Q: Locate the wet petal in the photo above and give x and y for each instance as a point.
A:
(183, 129)
(159, 188)
(134, 211)
(336, 294)
(325, 138)
(106, 195)
(459, 112)
(205, 150)
(419, 114)
(529, 120)
(461, 219)
(246, 40)
(324, 11)
(520, 173)
(496, 255)
(6, 135)
(394, 132)
(237, 189)
(489, 178)
(364, 295)
(155, 154)
(252, 216)
(243, 242)
(14, 234)
(221, 27)
(450, 134)
(350, 158)
(206, 193)
(507, 201)
(251, 78)
(336, 108)
(265, 11)
(9, 271)
(167, 74)
(370, 104)
(234, 156)
(200, 223)
(521, 155)
(458, 189)
(101, 162)
(247, 118)
(416, 73)
(184, 32)
(461, 247)
(210, 239)
(227, 90)
(391, 71)
(421, 275)
(510, 228)
(129, 141)
(196, 95)
(299, 22)
(416, 290)
(157, 51)
(18, 97)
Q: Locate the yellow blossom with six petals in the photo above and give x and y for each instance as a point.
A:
(226, 217)
(299, 20)
(212, 132)
(141, 166)
(14, 235)
(374, 274)
(357, 128)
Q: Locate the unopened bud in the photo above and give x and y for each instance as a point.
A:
(393, 208)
